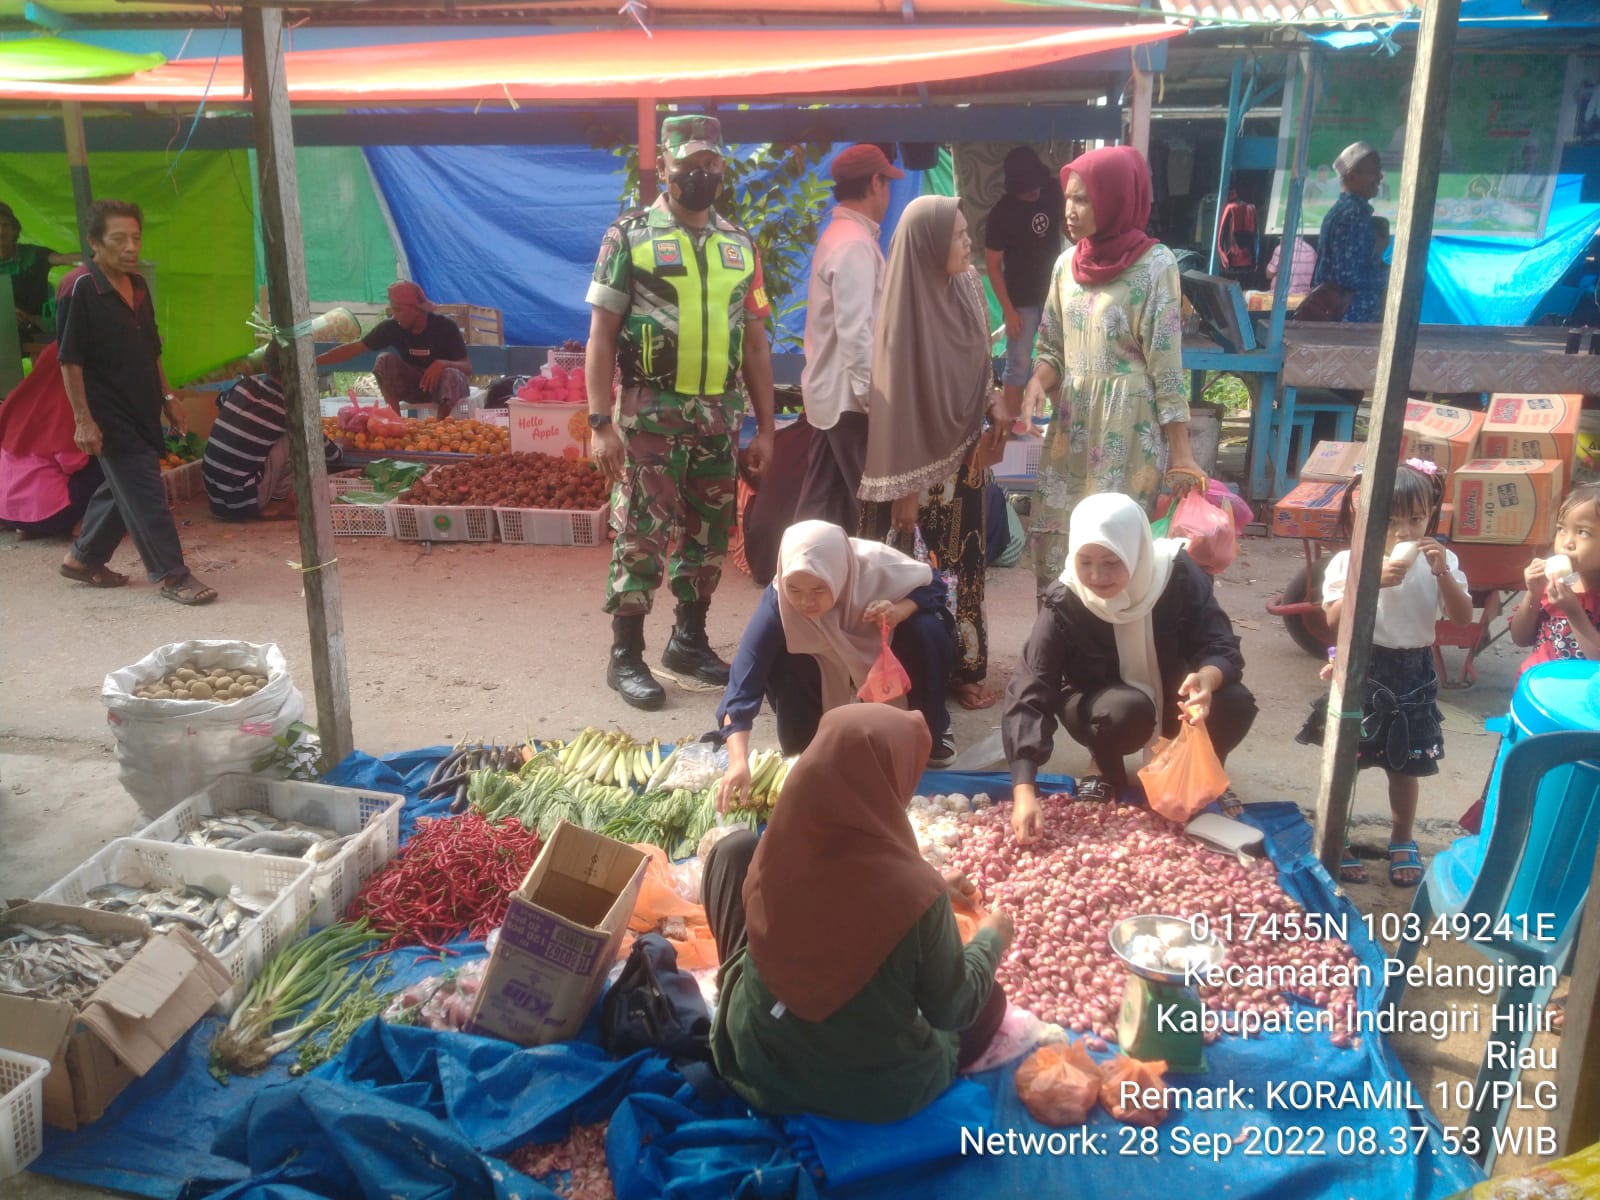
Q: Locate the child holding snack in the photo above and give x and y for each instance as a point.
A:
(1560, 612)
(1400, 729)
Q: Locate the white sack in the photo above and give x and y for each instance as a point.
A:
(168, 750)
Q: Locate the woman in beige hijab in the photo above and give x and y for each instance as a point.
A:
(927, 446)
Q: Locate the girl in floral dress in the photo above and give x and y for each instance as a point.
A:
(1110, 339)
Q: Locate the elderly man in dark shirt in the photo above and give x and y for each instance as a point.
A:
(1345, 246)
(110, 352)
(422, 357)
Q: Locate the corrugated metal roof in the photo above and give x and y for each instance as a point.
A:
(1290, 12)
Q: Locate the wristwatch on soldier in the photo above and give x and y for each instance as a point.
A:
(599, 420)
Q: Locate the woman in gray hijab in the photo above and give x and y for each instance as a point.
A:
(927, 446)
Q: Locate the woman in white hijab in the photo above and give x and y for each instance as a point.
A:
(1131, 632)
(815, 634)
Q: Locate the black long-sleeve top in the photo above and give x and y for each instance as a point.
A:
(1072, 650)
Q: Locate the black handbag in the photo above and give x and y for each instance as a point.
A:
(655, 1006)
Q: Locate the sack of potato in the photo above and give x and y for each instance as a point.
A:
(191, 712)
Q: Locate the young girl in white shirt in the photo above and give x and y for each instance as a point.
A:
(1400, 719)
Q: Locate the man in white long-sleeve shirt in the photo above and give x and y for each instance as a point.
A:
(846, 282)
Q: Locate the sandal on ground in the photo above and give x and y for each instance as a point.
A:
(1351, 868)
(1229, 805)
(98, 577)
(1409, 862)
(188, 590)
(1092, 787)
(973, 696)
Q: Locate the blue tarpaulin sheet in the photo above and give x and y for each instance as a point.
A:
(416, 1113)
(518, 228)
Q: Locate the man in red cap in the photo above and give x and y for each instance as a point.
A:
(846, 283)
(422, 358)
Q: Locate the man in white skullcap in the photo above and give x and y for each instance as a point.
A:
(1345, 246)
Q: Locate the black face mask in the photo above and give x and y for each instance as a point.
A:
(697, 188)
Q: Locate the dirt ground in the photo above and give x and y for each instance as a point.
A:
(508, 641)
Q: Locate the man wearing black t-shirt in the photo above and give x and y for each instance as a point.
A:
(110, 353)
(422, 358)
(1022, 240)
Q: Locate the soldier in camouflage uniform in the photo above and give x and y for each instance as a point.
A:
(677, 304)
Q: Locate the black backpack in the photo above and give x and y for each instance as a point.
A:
(655, 1006)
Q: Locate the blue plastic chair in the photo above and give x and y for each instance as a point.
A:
(1538, 859)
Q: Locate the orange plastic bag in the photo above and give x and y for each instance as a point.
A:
(888, 679)
(1212, 540)
(660, 909)
(969, 915)
(1058, 1083)
(1185, 775)
(1129, 1106)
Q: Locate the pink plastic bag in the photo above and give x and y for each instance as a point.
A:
(888, 679)
(1212, 540)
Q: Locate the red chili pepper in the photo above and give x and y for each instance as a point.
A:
(455, 874)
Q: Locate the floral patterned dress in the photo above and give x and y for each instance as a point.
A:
(1117, 347)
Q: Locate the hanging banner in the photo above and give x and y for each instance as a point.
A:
(1501, 150)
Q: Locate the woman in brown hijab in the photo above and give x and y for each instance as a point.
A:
(932, 383)
(844, 980)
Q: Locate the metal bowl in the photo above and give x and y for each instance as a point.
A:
(1156, 925)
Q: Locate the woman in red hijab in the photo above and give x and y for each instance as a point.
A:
(45, 480)
(1110, 340)
(845, 989)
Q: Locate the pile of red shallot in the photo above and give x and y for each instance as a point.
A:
(574, 1168)
(1099, 863)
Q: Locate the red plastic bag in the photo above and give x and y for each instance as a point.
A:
(1129, 1107)
(1058, 1083)
(1212, 540)
(888, 679)
(1185, 775)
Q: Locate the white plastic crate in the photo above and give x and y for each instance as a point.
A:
(567, 360)
(356, 520)
(283, 884)
(182, 483)
(552, 526)
(373, 817)
(1021, 458)
(21, 1111)
(425, 523)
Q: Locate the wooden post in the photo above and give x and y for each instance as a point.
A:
(1397, 343)
(1577, 1115)
(78, 169)
(1139, 109)
(649, 152)
(291, 309)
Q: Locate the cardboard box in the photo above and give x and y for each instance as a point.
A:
(1506, 501)
(1311, 510)
(1333, 462)
(121, 1031)
(1531, 427)
(558, 429)
(560, 938)
(1440, 434)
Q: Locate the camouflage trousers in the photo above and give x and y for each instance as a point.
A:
(676, 491)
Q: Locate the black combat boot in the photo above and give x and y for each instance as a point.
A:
(689, 658)
(626, 672)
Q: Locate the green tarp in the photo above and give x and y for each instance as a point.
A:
(350, 254)
(197, 238)
(54, 60)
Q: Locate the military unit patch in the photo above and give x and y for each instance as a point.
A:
(668, 252)
(733, 256)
